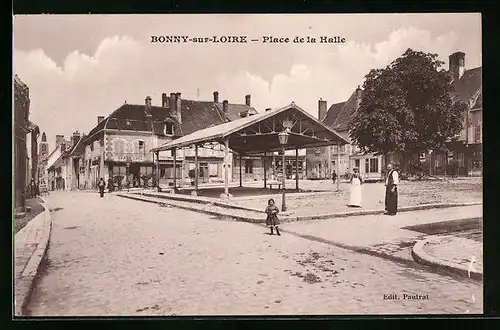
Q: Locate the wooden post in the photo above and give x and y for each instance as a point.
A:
(297, 169)
(338, 165)
(157, 170)
(265, 171)
(241, 185)
(174, 154)
(196, 167)
(226, 166)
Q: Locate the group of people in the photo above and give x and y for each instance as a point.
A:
(33, 189)
(355, 199)
(391, 190)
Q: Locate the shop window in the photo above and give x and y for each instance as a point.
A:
(146, 170)
(356, 163)
(248, 166)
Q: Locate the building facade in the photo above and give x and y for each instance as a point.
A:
(21, 123)
(55, 167)
(119, 146)
(464, 156)
(25, 148)
(321, 162)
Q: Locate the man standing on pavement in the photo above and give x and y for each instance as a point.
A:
(101, 185)
(391, 190)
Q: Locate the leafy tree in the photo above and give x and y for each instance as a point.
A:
(407, 107)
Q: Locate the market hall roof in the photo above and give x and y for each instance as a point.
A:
(258, 133)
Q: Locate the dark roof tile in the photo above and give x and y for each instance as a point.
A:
(195, 115)
(332, 113)
(347, 112)
(468, 85)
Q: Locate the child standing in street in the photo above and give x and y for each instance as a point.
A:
(272, 220)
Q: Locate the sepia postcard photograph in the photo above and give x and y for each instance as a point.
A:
(247, 165)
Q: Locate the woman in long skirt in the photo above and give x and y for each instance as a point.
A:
(356, 182)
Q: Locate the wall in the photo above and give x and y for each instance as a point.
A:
(120, 146)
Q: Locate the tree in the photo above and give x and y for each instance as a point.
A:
(407, 108)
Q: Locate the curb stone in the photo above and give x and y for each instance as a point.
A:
(24, 286)
(424, 258)
(288, 218)
(196, 209)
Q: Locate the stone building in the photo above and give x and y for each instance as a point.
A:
(321, 162)
(42, 160)
(25, 162)
(120, 144)
(464, 156)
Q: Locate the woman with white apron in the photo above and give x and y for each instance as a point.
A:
(356, 182)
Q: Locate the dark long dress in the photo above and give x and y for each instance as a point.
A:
(272, 217)
(391, 197)
(102, 186)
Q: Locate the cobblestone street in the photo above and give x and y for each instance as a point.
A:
(115, 256)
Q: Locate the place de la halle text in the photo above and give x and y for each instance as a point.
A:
(246, 39)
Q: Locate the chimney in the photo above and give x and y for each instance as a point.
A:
(147, 102)
(224, 106)
(268, 109)
(63, 146)
(457, 65)
(359, 96)
(164, 100)
(75, 138)
(178, 107)
(322, 109)
(247, 100)
(216, 97)
(147, 108)
(99, 119)
(59, 140)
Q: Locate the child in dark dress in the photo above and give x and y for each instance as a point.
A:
(272, 220)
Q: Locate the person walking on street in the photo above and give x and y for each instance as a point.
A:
(334, 176)
(101, 185)
(391, 190)
(356, 182)
(111, 185)
(272, 220)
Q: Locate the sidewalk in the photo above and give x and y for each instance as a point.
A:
(30, 245)
(452, 253)
(385, 236)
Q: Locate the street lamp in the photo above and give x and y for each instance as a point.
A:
(283, 139)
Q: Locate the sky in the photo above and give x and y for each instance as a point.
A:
(79, 67)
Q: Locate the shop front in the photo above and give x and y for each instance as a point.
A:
(132, 173)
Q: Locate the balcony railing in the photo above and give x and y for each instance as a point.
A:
(130, 157)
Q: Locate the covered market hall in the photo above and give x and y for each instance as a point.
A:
(259, 135)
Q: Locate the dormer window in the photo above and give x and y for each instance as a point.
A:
(168, 128)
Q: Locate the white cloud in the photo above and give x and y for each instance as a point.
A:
(72, 96)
